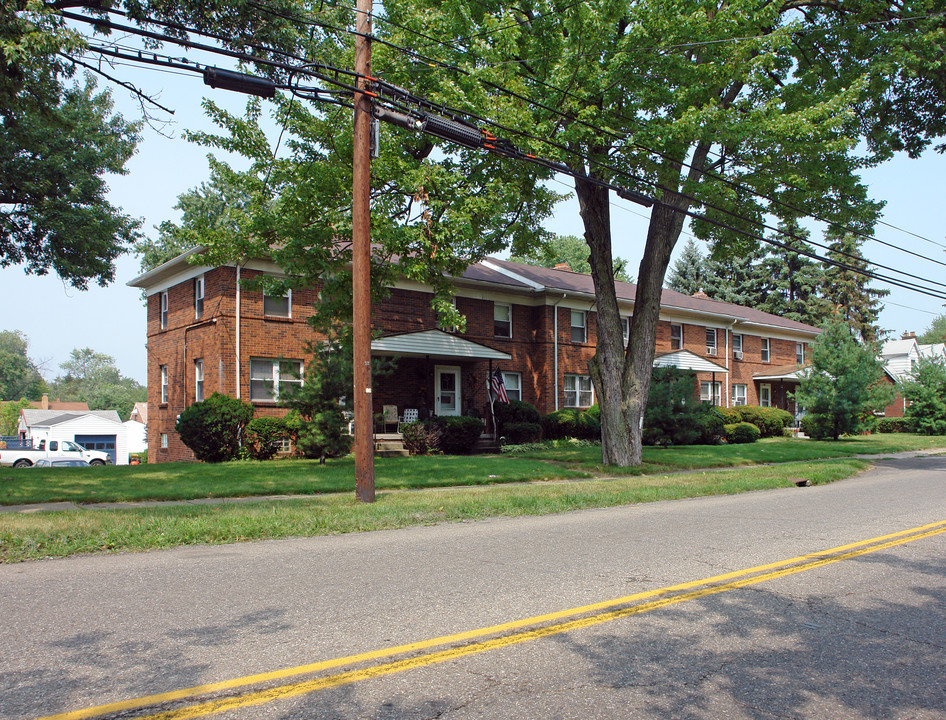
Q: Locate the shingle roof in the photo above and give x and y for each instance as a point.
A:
(55, 417)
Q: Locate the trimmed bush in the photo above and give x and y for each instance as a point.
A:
(895, 425)
(516, 411)
(458, 435)
(742, 432)
(263, 436)
(817, 427)
(770, 421)
(212, 428)
(730, 415)
(518, 433)
(421, 438)
(571, 423)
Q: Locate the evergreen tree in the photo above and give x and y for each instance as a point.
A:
(926, 393)
(690, 272)
(848, 291)
(737, 278)
(794, 280)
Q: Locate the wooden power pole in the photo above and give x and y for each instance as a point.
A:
(361, 260)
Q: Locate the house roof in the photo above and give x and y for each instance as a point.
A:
(140, 413)
(434, 343)
(782, 372)
(47, 418)
(686, 360)
(893, 348)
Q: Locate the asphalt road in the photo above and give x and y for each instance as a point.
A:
(724, 607)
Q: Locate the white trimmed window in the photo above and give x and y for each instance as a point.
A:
(738, 394)
(164, 310)
(277, 305)
(579, 326)
(579, 391)
(765, 395)
(164, 441)
(737, 346)
(800, 353)
(198, 380)
(513, 383)
(710, 341)
(765, 350)
(502, 320)
(198, 296)
(270, 377)
(164, 384)
(711, 392)
(676, 336)
(626, 329)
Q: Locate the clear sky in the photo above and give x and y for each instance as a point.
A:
(57, 318)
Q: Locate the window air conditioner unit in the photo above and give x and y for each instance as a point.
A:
(737, 354)
(710, 351)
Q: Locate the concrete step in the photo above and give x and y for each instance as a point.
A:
(390, 447)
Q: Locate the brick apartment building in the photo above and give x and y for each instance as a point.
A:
(207, 333)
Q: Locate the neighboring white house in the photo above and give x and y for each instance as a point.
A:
(93, 429)
(901, 356)
(136, 435)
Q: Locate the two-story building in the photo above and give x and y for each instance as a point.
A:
(207, 332)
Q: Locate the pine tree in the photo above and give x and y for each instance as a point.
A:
(737, 278)
(795, 280)
(847, 289)
(690, 272)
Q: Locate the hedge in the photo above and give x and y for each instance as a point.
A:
(742, 432)
(458, 435)
(571, 423)
(515, 411)
(518, 433)
(896, 425)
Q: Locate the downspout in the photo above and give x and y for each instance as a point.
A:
(555, 343)
(728, 391)
(237, 331)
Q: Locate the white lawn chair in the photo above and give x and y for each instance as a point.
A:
(410, 416)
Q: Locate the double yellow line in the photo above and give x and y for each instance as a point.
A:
(420, 654)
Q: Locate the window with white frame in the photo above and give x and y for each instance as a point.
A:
(284, 445)
(198, 380)
(513, 383)
(164, 384)
(198, 296)
(710, 341)
(164, 310)
(737, 346)
(800, 353)
(579, 391)
(738, 394)
(277, 305)
(502, 320)
(164, 441)
(711, 392)
(271, 377)
(765, 395)
(626, 329)
(579, 327)
(676, 336)
(765, 349)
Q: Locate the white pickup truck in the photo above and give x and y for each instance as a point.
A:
(56, 448)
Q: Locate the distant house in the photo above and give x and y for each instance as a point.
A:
(136, 429)
(139, 413)
(93, 429)
(900, 358)
(46, 404)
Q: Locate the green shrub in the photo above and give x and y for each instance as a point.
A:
(571, 423)
(421, 438)
(770, 421)
(458, 435)
(895, 425)
(515, 411)
(263, 436)
(711, 426)
(212, 428)
(742, 432)
(730, 415)
(817, 427)
(324, 435)
(518, 433)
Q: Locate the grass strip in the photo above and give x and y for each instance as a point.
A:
(60, 534)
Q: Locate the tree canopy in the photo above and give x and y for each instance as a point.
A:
(571, 251)
(19, 374)
(94, 378)
(935, 333)
(59, 140)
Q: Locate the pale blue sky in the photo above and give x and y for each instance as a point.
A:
(57, 318)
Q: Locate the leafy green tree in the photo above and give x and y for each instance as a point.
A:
(212, 428)
(19, 375)
(848, 290)
(570, 250)
(10, 415)
(687, 102)
(845, 383)
(926, 392)
(935, 333)
(58, 140)
(690, 273)
(94, 378)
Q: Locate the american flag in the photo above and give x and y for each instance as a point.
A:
(499, 387)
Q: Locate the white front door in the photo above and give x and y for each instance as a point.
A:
(446, 390)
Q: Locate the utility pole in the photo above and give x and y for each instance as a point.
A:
(361, 259)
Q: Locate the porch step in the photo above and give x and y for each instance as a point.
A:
(486, 444)
(390, 448)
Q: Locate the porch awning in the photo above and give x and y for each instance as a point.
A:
(793, 373)
(685, 360)
(434, 343)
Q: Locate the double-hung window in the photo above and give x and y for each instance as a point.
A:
(710, 392)
(502, 320)
(579, 391)
(737, 346)
(198, 380)
(198, 296)
(800, 353)
(513, 383)
(277, 305)
(164, 310)
(164, 384)
(579, 326)
(676, 336)
(271, 377)
(626, 329)
(710, 341)
(766, 347)
(765, 395)
(738, 394)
